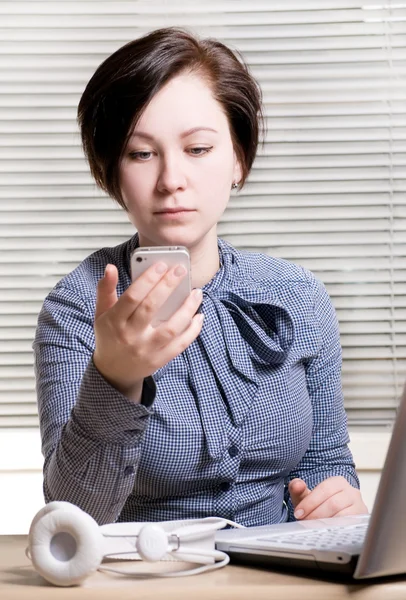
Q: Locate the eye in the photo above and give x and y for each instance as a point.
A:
(143, 155)
(199, 151)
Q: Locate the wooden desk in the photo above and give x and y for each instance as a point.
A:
(19, 581)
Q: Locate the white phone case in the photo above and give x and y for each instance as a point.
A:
(142, 258)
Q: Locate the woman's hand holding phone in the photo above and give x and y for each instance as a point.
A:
(128, 346)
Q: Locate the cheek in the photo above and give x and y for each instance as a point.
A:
(125, 182)
(217, 173)
(130, 179)
(133, 185)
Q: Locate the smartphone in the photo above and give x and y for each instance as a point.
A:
(142, 258)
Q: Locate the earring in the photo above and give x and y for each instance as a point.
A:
(234, 185)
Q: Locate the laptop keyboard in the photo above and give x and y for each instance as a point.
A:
(335, 538)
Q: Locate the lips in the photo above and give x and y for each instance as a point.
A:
(174, 210)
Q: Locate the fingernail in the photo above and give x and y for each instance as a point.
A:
(298, 513)
(199, 318)
(105, 270)
(197, 293)
(180, 270)
(160, 267)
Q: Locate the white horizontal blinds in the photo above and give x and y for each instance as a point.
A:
(327, 189)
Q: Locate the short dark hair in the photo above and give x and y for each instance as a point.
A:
(123, 85)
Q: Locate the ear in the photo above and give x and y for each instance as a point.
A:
(237, 172)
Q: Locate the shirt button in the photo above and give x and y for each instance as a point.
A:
(233, 451)
(129, 470)
(225, 486)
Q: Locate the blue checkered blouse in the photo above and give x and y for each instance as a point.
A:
(253, 402)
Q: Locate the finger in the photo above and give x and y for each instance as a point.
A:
(180, 321)
(130, 300)
(180, 343)
(298, 490)
(352, 510)
(322, 492)
(158, 295)
(332, 507)
(106, 290)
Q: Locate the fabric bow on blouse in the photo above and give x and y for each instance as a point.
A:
(245, 327)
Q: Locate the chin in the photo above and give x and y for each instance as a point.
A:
(175, 238)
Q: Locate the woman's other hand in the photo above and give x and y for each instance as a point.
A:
(128, 348)
(333, 497)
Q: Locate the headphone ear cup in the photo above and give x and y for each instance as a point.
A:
(51, 506)
(65, 546)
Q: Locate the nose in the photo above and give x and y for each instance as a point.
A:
(171, 176)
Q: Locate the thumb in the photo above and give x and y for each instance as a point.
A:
(106, 290)
(298, 490)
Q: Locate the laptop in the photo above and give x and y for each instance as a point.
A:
(361, 546)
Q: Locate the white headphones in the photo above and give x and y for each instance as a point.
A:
(65, 544)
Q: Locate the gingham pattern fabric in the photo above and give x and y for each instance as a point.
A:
(253, 402)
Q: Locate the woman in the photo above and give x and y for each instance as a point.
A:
(240, 415)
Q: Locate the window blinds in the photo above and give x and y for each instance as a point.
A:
(327, 189)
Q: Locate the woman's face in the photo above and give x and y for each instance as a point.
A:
(179, 166)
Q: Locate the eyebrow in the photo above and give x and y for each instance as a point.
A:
(147, 136)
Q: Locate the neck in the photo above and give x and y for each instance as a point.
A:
(205, 263)
(204, 257)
